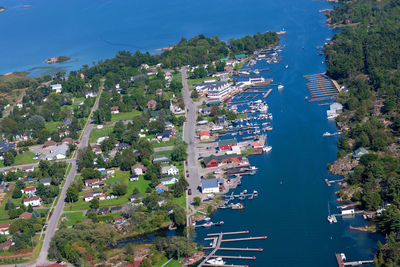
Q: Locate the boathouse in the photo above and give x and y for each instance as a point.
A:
(227, 144)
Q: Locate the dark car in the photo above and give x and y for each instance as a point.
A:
(187, 175)
(189, 191)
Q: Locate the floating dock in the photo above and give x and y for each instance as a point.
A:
(321, 87)
(342, 261)
(216, 245)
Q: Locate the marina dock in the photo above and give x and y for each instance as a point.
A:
(328, 183)
(321, 87)
(216, 245)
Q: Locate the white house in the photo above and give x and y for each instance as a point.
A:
(169, 170)
(209, 186)
(33, 201)
(30, 191)
(19, 104)
(56, 87)
(138, 169)
(4, 228)
(88, 196)
(60, 152)
(169, 180)
(90, 94)
(134, 178)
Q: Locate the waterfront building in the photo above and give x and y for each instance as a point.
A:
(227, 144)
(210, 186)
(215, 161)
(56, 87)
(204, 135)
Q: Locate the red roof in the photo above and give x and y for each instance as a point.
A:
(31, 199)
(29, 189)
(258, 145)
(204, 133)
(25, 215)
(92, 181)
(88, 194)
(53, 265)
(4, 225)
(114, 108)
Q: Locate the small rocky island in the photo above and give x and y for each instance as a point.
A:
(59, 59)
(2, 8)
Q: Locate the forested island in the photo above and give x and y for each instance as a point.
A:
(58, 59)
(364, 57)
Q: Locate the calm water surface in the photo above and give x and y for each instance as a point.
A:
(292, 214)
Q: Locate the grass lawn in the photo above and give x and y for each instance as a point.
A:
(20, 159)
(163, 144)
(73, 218)
(97, 133)
(181, 201)
(52, 125)
(167, 153)
(125, 116)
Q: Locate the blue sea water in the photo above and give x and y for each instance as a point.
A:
(292, 214)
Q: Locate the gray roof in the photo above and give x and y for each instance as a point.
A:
(209, 183)
(61, 149)
(169, 178)
(158, 158)
(45, 180)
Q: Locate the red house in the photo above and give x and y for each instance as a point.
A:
(227, 144)
(215, 161)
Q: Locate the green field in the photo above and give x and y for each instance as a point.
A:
(52, 125)
(97, 133)
(20, 159)
(73, 218)
(125, 116)
(163, 144)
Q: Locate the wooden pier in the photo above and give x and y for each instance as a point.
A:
(342, 262)
(321, 87)
(216, 245)
(333, 181)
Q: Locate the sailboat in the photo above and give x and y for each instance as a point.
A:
(331, 218)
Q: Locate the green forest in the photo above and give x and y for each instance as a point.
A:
(364, 57)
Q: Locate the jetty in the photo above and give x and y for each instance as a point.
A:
(341, 260)
(328, 183)
(216, 246)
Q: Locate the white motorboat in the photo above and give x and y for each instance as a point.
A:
(267, 149)
(217, 261)
(280, 87)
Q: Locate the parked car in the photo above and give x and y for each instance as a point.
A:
(189, 191)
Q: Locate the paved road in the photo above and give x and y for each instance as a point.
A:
(190, 138)
(59, 209)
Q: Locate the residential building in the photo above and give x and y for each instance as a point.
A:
(56, 87)
(90, 94)
(114, 110)
(4, 228)
(6, 245)
(133, 178)
(97, 149)
(28, 169)
(33, 201)
(210, 186)
(161, 188)
(30, 191)
(5, 147)
(45, 181)
(134, 197)
(170, 180)
(152, 104)
(118, 220)
(19, 104)
(138, 169)
(169, 170)
(90, 182)
(49, 144)
(163, 159)
(359, 153)
(67, 121)
(25, 215)
(88, 196)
